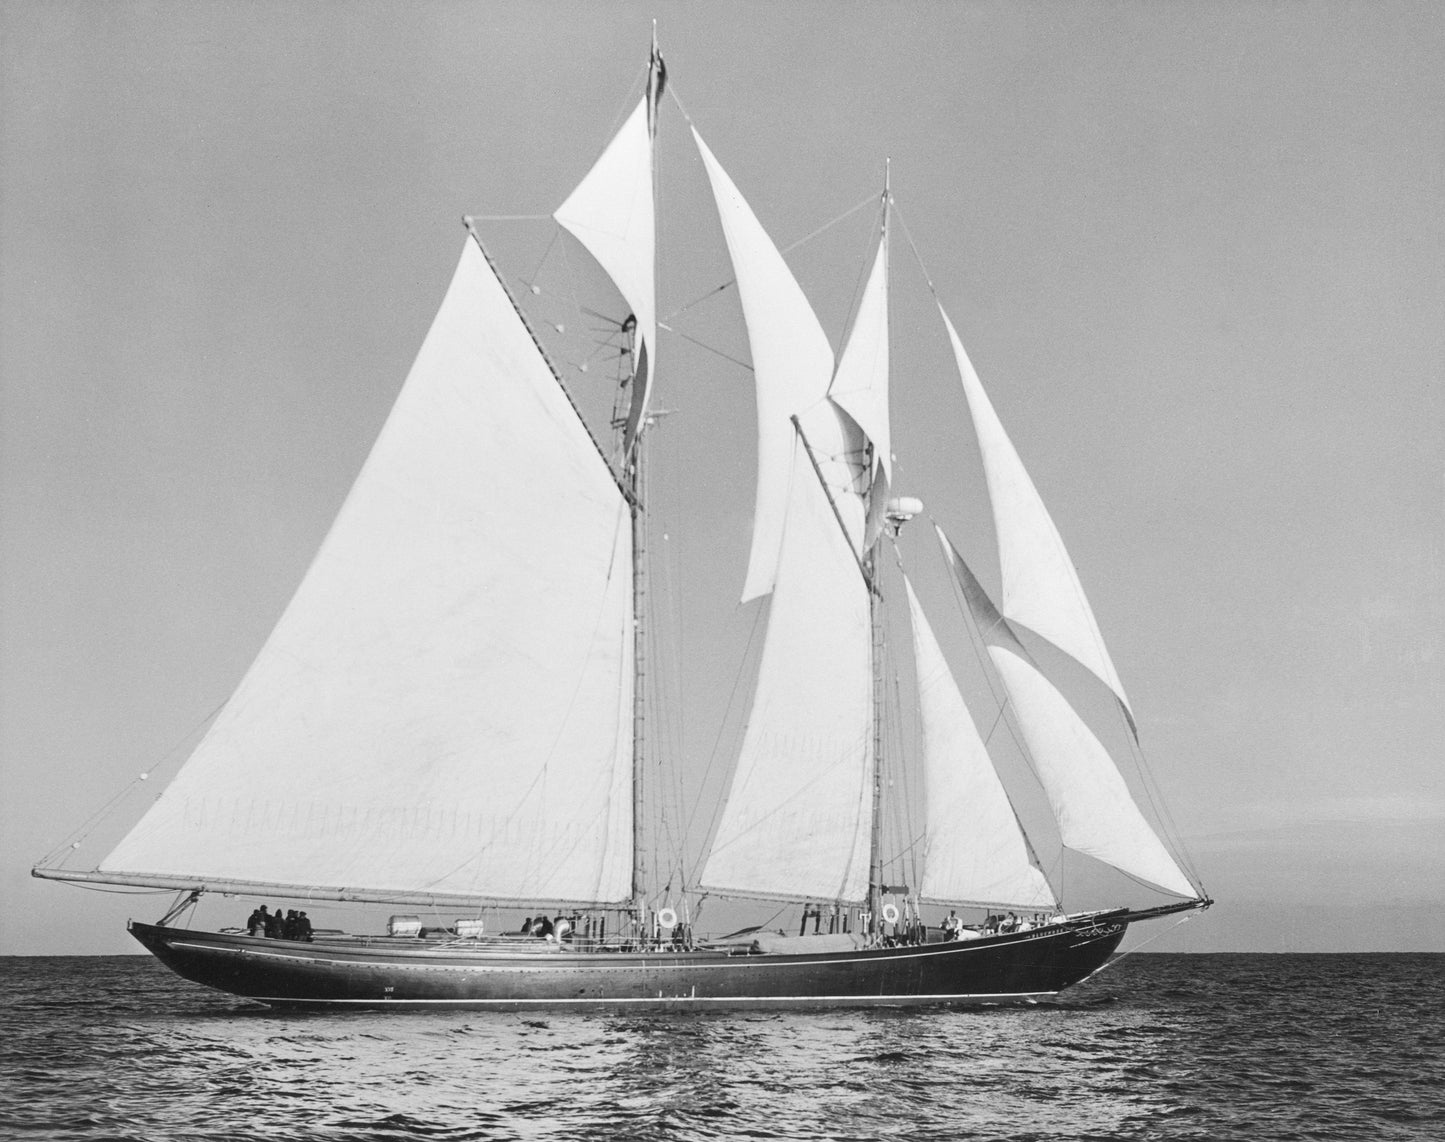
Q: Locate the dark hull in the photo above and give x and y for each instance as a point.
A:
(1013, 968)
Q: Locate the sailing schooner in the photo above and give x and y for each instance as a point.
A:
(449, 713)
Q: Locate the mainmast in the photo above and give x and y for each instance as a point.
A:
(632, 460)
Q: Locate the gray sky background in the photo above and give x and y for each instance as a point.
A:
(1194, 250)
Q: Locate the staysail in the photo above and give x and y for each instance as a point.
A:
(1041, 589)
(974, 850)
(444, 708)
(1095, 811)
(792, 363)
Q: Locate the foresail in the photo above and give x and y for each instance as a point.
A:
(611, 213)
(974, 849)
(1041, 589)
(1095, 811)
(796, 820)
(792, 363)
(445, 705)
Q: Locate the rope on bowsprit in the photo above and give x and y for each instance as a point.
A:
(75, 839)
(1184, 918)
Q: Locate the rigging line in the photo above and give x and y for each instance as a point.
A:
(1112, 960)
(77, 836)
(705, 345)
(852, 210)
(976, 642)
(659, 679)
(717, 743)
(572, 288)
(908, 234)
(698, 300)
(476, 858)
(621, 116)
(542, 261)
(1155, 794)
(864, 268)
(788, 249)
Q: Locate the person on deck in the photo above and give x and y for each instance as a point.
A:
(274, 923)
(303, 928)
(952, 926)
(256, 922)
(542, 928)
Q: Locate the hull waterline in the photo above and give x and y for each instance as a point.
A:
(398, 975)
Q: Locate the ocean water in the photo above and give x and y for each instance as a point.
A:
(1156, 1047)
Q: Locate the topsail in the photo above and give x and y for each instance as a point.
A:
(611, 213)
(792, 363)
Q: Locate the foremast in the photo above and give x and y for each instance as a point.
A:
(875, 620)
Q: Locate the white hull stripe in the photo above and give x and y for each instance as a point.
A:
(728, 1000)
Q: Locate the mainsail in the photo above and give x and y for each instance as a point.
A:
(974, 850)
(1041, 589)
(1095, 811)
(444, 709)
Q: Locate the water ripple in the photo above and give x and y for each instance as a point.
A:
(1161, 1048)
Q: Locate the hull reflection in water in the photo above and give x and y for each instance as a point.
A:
(524, 973)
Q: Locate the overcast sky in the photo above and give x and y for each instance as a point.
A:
(1195, 252)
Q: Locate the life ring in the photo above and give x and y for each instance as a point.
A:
(890, 913)
(667, 918)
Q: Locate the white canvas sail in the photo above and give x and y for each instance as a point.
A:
(611, 213)
(974, 850)
(445, 706)
(796, 820)
(860, 385)
(1096, 812)
(1041, 589)
(792, 363)
(860, 388)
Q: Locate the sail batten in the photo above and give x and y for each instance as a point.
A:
(444, 708)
